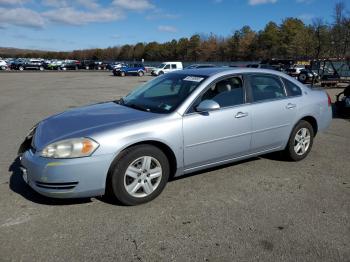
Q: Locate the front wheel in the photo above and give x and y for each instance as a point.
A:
(302, 78)
(300, 141)
(122, 73)
(138, 175)
(140, 73)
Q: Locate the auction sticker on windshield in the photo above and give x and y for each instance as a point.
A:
(193, 78)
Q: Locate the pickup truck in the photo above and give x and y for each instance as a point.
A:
(130, 69)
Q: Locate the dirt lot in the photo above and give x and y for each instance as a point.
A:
(264, 209)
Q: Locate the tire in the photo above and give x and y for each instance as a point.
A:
(41, 68)
(3, 68)
(300, 141)
(302, 78)
(140, 73)
(161, 73)
(76, 68)
(122, 73)
(21, 68)
(115, 73)
(120, 184)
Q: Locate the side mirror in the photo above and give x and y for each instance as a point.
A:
(207, 105)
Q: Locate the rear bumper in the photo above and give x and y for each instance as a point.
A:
(66, 178)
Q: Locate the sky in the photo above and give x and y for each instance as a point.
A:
(64, 25)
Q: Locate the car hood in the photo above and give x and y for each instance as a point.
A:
(85, 121)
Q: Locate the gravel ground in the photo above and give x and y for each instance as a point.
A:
(262, 209)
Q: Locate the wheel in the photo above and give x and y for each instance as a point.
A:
(300, 141)
(41, 68)
(138, 175)
(64, 68)
(98, 68)
(161, 73)
(87, 67)
(122, 73)
(115, 73)
(140, 73)
(21, 68)
(302, 78)
(76, 68)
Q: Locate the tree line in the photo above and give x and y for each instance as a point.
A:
(292, 39)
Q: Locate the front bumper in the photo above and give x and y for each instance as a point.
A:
(66, 178)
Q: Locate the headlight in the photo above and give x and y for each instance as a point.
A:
(70, 148)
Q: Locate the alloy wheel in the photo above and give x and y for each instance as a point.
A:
(143, 176)
(302, 141)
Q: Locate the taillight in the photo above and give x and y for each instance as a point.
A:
(329, 100)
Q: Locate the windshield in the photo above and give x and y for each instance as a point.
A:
(161, 65)
(163, 94)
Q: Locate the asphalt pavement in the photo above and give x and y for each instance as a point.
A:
(262, 209)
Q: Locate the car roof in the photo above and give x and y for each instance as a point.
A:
(211, 71)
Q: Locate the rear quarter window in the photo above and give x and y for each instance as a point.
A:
(291, 88)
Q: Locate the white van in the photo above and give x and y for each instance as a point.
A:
(166, 67)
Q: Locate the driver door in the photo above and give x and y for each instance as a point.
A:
(220, 135)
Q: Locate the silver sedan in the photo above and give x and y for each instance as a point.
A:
(176, 124)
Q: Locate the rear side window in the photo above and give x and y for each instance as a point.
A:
(173, 66)
(266, 87)
(292, 89)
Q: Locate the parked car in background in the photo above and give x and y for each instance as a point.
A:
(176, 124)
(53, 65)
(167, 67)
(196, 66)
(306, 75)
(70, 65)
(31, 64)
(130, 69)
(294, 71)
(114, 65)
(3, 65)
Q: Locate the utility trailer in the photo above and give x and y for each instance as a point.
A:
(331, 72)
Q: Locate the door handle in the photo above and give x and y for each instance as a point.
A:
(241, 114)
(291, 106)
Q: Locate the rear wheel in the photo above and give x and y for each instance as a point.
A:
(21, 68)
(122, 73)
(140, 73)
(41, 68)
(300, 141)
(138, 175)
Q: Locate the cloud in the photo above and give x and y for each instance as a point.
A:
(306, 17)
(21, 17)
(13, 2)
(134, 5)
(71, 16)
(167, 28)
(260, 2)
(161, 15)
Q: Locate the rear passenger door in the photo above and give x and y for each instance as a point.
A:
(273, 112)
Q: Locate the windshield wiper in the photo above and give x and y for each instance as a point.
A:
(138, 107)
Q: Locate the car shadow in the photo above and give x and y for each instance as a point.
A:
(18, 186)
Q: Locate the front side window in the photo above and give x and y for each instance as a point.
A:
(227, 92)
(163, 94)
(292, 89)
(266, 87)
(167, 67)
